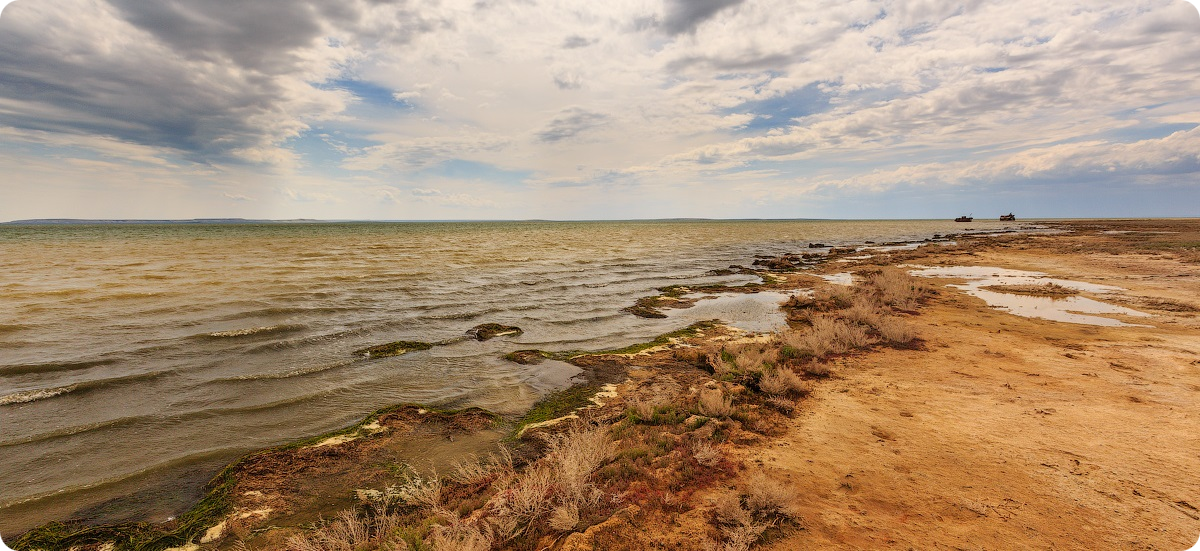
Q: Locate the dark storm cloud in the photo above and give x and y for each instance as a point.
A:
(683, 16)
(576, 41)
(212, 79)
(570, 124)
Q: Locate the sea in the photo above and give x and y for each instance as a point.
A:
(136, 360)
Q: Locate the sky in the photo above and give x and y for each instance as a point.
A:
(620, 109)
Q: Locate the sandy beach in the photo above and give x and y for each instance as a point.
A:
(896, 412)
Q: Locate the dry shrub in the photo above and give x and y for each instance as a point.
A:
(565, 517)
(350, 531)
(737, 524)
(522, 502)
(781, 404)
(706, 454)
(864, 311)
(767, 497)
(832, 297)
(460, 535)
(574, 456)
(895, 330)
(741, 537)
(644, 408)
(828, 335)
(474, 469)
(817, 369)
(750, 360)
(557, 484)
(714, 403)
(898, 289)
(417, 491)
(715, 359)
(782, 381)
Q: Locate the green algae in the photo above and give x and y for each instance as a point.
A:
(557, 404)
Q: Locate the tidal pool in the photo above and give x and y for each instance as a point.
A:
(1072, 309)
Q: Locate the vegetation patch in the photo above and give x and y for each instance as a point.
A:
(487, 331)
(393, 349)
(527, 357)
(557, 404)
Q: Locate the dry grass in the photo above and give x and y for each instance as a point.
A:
(526, 499)
(350, 531)
(565, 517)
(864, 311)
(715, 403)
(418, 491)
(474, 469)
(645, 408)
(782, 381)
(895, 330)
(817, 369)
(767, 497)
(574, 456)
(897, 289)
(828, 335)
(752, 359)
(459, 535)
(706, 454)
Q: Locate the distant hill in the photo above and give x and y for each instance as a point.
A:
(79, 221)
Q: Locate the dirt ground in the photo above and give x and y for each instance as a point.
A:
(1010, 432)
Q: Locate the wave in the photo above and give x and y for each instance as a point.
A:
(298, 372)
(38, 394)
(26, 396)
(245, 332)
(50, 367)
(158, 421)
(12, 328)
(592, 319)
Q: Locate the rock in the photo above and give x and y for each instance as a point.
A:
(526, 357)
(618, 522)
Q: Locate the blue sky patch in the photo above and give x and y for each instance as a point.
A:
(779, 111)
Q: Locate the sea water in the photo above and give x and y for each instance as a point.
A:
(136, 360)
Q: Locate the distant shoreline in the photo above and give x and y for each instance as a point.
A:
(232, 221)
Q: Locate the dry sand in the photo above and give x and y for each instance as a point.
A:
(1010, 432)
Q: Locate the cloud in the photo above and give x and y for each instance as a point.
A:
(570, 123)
(683, 16)
(539, 104)
(221, 81)
(576, 41)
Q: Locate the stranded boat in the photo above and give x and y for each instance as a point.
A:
(1008, 217)
(964, 219)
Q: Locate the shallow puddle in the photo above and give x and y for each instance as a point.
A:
(843, 278)
(755, 312)
(1073, 309)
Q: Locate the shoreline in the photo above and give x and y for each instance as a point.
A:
(764, 426)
